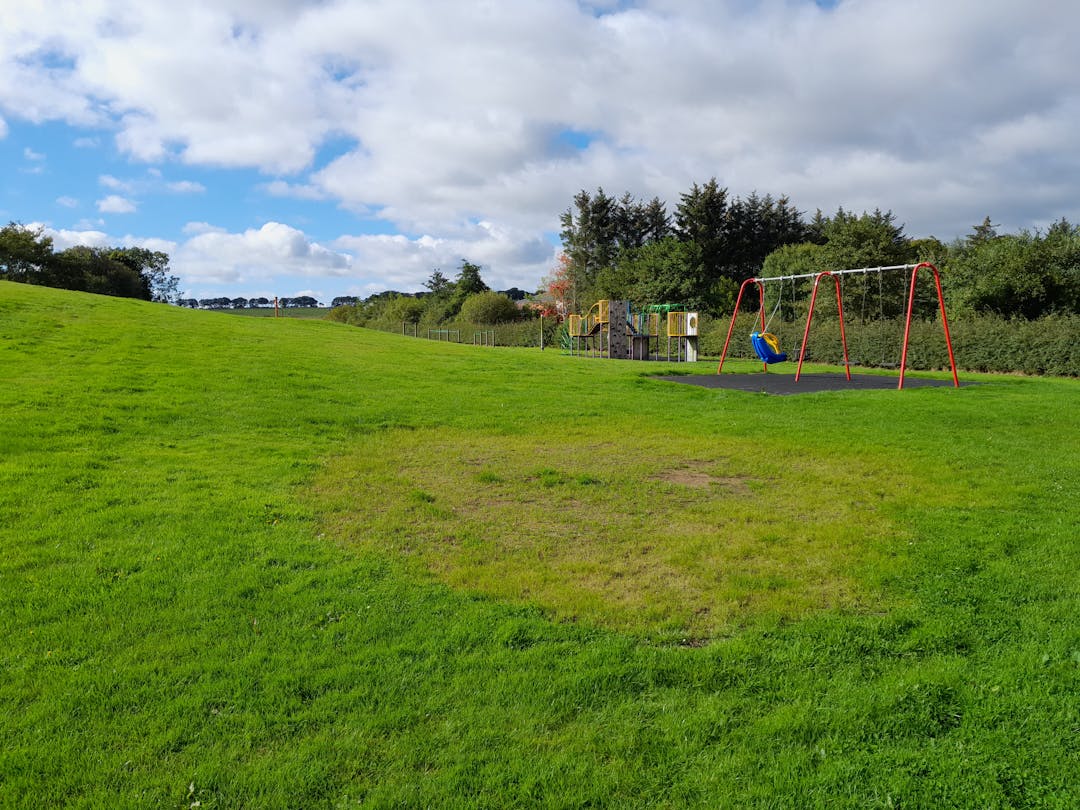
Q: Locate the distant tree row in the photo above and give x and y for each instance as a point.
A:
(250, 303)
(465, 298)
(1030, 274)
(623, 248)
(27, 255)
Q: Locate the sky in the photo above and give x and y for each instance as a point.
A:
(347, 147)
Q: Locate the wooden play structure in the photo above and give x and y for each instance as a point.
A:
(613, 329)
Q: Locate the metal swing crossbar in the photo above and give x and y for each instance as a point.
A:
(834, 274)
(839, 272)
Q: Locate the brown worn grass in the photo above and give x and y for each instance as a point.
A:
(663, 535)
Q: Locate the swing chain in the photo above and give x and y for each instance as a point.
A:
(779, 298)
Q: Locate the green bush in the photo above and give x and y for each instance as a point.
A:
(405, 309)
(346, 313)
(489, 308)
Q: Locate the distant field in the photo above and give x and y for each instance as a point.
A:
(284, 312)
(301, 564)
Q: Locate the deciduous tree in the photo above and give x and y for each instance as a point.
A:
(25, 253)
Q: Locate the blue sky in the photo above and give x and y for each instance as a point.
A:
(285, 147)
(64, 172)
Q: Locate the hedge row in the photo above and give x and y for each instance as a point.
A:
(985, 343)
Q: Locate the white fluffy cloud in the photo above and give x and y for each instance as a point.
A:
(116, 184)
(508, 257)
(64, 238)
(212, 255)
(115, 204)
(454, 114)
(185, 187)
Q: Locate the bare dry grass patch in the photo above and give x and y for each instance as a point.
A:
(657, 533)
(699, 479)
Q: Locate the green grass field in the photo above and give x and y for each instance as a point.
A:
(263, 563)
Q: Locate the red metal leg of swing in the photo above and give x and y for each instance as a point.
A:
(810, 317)
(806, 331)
(735, 314)
(843, 336)
(944, 322)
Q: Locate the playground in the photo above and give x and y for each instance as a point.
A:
(614, 330)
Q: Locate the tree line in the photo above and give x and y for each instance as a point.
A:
(696, 256)
(223, 302)
(27, 255)
(467, 297)
(700, 254)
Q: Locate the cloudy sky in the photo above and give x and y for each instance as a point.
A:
(285, 147)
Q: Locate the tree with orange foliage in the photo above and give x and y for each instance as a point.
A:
(554, 301)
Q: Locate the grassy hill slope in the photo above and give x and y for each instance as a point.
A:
(250, 562)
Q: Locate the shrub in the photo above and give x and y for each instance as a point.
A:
(405, 309)
(489, 308)
(347, 313)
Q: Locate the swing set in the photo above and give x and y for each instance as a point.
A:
(767, 345)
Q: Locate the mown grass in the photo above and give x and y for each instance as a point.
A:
(259, 563)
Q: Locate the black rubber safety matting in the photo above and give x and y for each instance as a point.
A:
(785, 385)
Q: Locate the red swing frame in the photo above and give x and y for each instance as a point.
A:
(840, 312)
